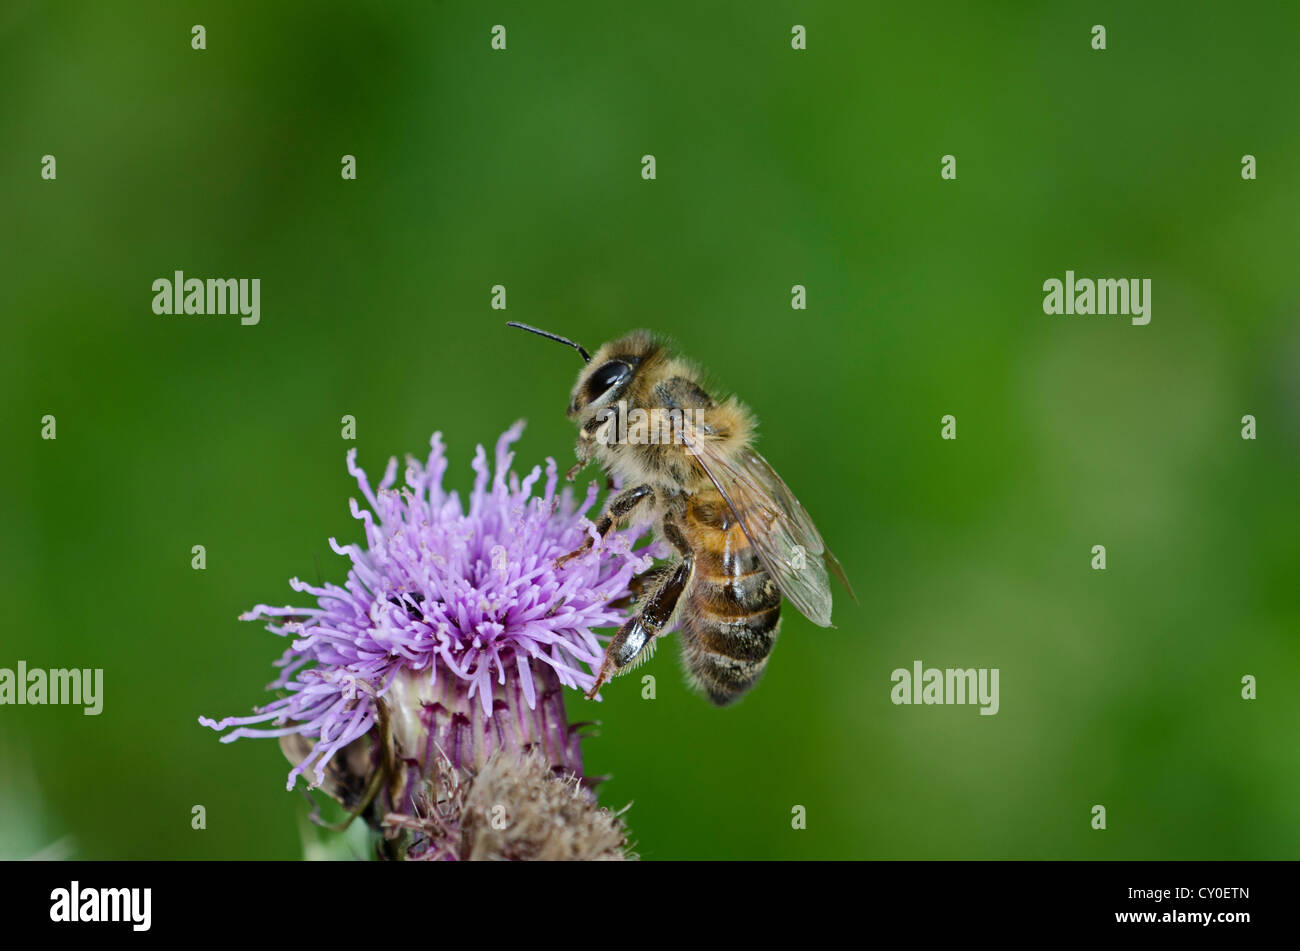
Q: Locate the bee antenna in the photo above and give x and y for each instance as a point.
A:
(586, 357)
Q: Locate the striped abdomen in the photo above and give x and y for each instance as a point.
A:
(732, 609)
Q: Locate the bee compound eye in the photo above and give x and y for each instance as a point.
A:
(606, 377)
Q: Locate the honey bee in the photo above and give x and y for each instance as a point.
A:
(741, 538)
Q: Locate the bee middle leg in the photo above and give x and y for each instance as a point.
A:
(642, 586)
(619, 509)
(636, 634)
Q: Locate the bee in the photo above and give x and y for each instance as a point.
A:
(741, 539)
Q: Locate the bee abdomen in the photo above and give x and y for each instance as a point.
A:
(729, 632)
(733, 597)
(733, 606)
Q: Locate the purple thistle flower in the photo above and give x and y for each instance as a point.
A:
(454, 635)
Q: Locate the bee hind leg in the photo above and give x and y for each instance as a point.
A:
(636, 635)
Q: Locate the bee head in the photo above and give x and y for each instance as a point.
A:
(608, 375)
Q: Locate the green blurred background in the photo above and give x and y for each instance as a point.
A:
(775, 167)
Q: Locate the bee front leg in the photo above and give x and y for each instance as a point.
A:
(635, 636)
(619, 510)
(584, 451)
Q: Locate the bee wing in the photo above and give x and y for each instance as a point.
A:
(781, 531)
